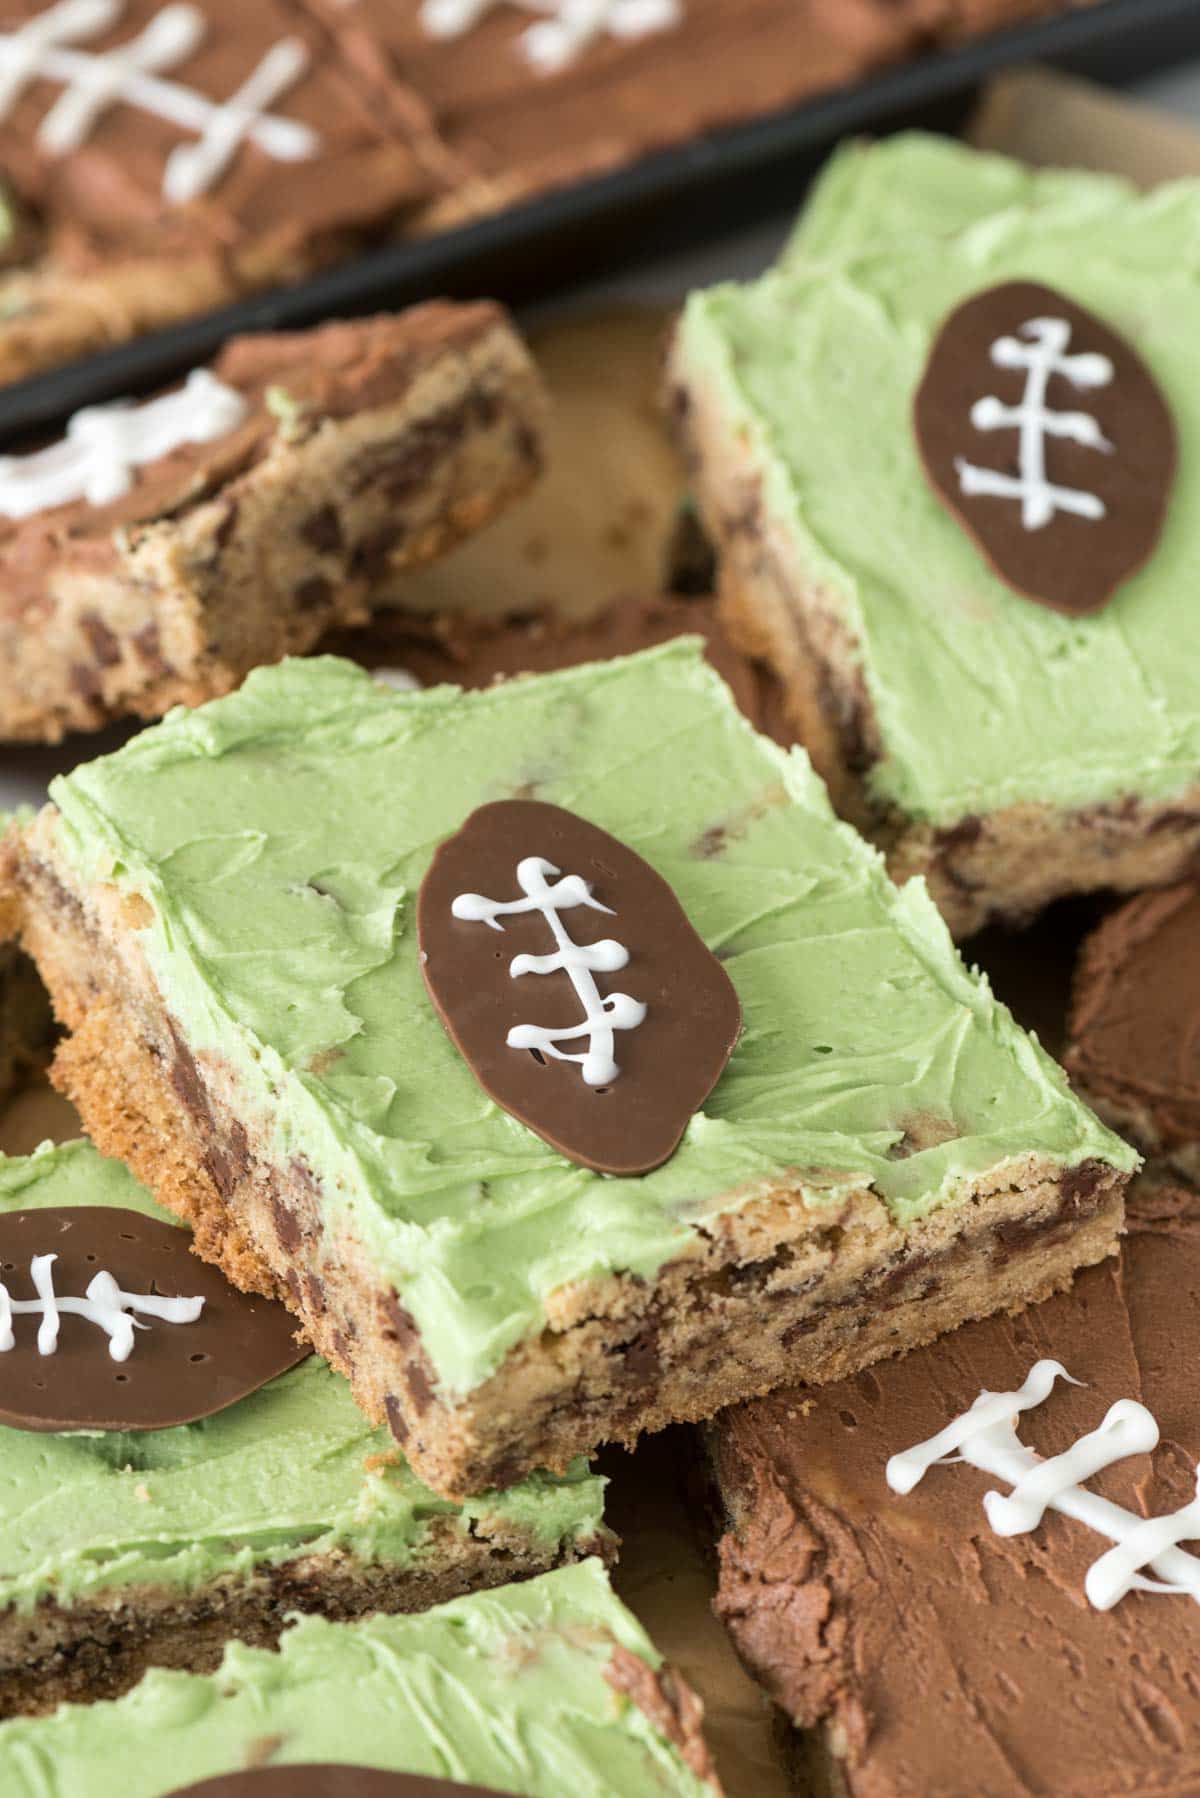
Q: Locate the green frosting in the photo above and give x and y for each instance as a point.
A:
(505, 1689)
(916, 185)
(280, 836)
(982, 698)
(292, 1469)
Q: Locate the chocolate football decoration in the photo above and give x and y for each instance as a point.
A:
(330, 1780)
(1047, 437)
(518, 914)
(109, 1322)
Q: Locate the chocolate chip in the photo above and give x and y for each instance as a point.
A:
(419, 1389)
(147, 644)
(287, 1227)
(372, 556)
(85, 681)
(642, 1360)
(185, 1079)
(227, 1160)
(104, 644)
(227, 523)
(322, 531)
(397, 1422)
(313, 593)
(1079, 1183)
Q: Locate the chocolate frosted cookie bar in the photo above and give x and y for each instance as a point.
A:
(160, 551)
(238, 915)
(1133, 1045)
(984, 628)
(164, 161)
(206, 1479)
(544, 1687)
(934, 1629)
(175, 158)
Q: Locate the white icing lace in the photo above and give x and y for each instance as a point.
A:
(581, 962)
(986, 1437)
(104, 444)
(1043, 355)
(104, 1304)
(565, 30)
(132, 75)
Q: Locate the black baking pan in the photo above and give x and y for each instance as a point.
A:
(665, 201)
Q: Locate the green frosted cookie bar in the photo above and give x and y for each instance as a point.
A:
(126, 1548)
(225, 909)
(539, 1689)
(1010, 752)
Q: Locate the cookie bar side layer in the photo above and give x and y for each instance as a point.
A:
(420, 429)
(885, 1155)
(1004, 864)
(549, 1685)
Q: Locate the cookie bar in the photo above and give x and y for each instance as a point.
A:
(153, 1546)
(1132, 1033)
(162, 164)
(520, 1690)
(1003, 696)
(250, 157)
(225, 912)
(158, 553)
(1002, 1678)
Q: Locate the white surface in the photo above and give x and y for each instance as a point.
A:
(24, 774)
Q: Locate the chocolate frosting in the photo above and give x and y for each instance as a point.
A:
(944, 1658)
(107, 195)
(1071, 564)
(176, 1372)
(668, 1063)
(1135, 1021)
(330, 1781)
(497, 129)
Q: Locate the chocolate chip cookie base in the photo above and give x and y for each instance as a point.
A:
(782, 1289)
(99, 1648)
(370, 448)
(1002, 866)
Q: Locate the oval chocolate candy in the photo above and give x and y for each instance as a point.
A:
(572, 982)
(330, 1780)
(173, 1372)
(1047, 437)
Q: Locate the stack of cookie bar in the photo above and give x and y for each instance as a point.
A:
(967, 1569)
(478, 1072)
(160, 160)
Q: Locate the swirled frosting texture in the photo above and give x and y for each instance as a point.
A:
(982, 700)
(509, 1690)
(292, 1469)
(279, 838)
